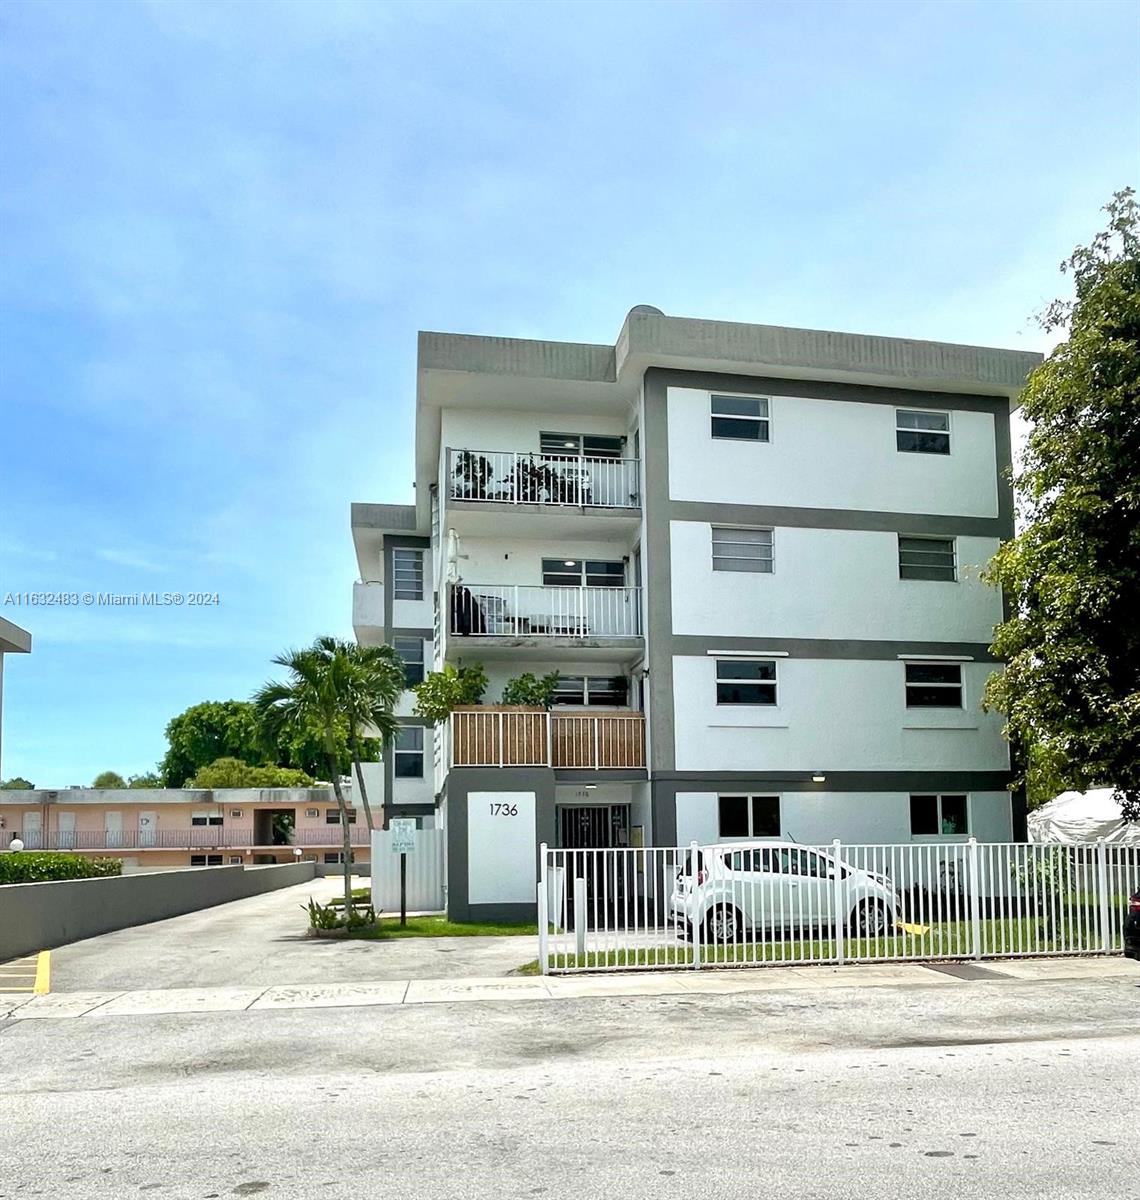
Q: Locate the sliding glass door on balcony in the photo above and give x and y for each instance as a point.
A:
(519, 610)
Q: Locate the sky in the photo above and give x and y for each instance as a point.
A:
(222, 224)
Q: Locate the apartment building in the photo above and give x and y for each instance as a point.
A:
(13, 640)
(160, 828)
(752, 555)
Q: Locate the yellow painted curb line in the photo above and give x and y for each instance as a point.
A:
(43, 973)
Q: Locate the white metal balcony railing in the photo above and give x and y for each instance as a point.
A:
(521, 610)
(489, 737)
(521, 477)
(202, 837)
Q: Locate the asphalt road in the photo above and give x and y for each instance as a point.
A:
(981, 1089)
(261, 942)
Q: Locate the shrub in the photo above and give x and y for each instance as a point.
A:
(233, 773)
(42, 866)
(532, 690)
(109, 779)
(442, 691)
(324, 917)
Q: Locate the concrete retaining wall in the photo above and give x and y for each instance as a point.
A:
(40, 916)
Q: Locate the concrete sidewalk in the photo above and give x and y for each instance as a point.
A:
(149, 1002)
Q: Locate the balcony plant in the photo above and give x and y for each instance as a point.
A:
(531, 691)
(441, 692)
(472, 475)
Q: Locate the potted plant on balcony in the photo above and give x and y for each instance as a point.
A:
(472, 475)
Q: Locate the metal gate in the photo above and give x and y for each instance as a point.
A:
(766, 903)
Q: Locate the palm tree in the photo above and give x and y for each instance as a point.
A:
(310, 703)
(369, 681)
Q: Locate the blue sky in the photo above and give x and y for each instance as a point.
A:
(221, 225)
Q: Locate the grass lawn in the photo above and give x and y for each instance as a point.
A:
(419, 927)
(947, 940)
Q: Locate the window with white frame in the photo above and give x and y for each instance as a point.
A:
(205, 860)
(234, 860)
(745, 681)
(933, 685)
(335, 857)
(922, 432)
(407, 573)
(943, 815)
(739, 549)
(411, 653)
(589, 445)
(408, 753)
(927, 558)
(748, 816)
(612, 690)
(741, 418)
(206, 818)
(332, 816)
(578, 572)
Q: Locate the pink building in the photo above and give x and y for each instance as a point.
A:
(179, 827)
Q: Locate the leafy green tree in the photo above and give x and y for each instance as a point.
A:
(109, 779)
(209, 731)
(369, 680)
(146, 780)
(233, 773)
(530, 689)
(16, 784)
(441, 692)
(1071, 688)
(309, 703)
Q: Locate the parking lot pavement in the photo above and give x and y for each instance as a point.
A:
(260, 942)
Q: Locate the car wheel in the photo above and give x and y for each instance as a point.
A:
(870, 919)
(724, 925)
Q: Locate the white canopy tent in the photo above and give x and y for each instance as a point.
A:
(1083, 817)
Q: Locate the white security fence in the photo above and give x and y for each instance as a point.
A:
(426, 877)
(756, 903)
(510, 477)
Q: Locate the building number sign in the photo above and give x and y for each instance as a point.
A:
(504, 810)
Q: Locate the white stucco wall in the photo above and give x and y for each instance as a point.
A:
(832, 714)
(507, 429)
(816, 818)
(831, 454)
(830, 583)
(518, 560)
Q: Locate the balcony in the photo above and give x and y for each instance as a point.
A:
(488, 737)
(509, 477)
(540, 614)
(200, 837)
(368, 612)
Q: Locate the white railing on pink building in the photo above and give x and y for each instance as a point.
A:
(203, 837)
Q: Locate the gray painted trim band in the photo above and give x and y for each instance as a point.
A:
(841, 781)
(825, 389)
(846, 648)
(870, 521)
(405, 631)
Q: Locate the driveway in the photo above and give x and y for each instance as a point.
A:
(261, 942)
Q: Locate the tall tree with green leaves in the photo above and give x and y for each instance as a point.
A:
(309, 704)
(109, 779)
(369, 682)
(1071, 687)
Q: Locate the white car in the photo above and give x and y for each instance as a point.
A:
(745, 889)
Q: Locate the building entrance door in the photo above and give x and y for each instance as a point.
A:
(585, 829)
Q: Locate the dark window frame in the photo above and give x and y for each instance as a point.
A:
(413, 666)
(407, 573)
(934, 804)
(923, 688)
(405, 760)
(919, 438)
(761, 812)
(730, 681)
(740, 426)
(931, 565)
